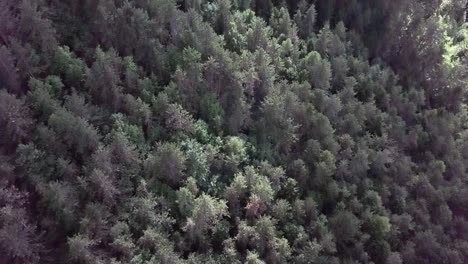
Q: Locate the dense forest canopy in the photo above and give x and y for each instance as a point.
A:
(233, 131)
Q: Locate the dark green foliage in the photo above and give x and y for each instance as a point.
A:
(167, 164)
(233, 131)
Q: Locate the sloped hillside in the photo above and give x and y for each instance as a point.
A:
(233, 131)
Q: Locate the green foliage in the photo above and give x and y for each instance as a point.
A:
(166, 164)
(345, 226)
(197, 164)
(206, 217)
(104, 79)
(76, 132)
(72, 69)
(233, 131)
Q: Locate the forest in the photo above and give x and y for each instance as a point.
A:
(233, 131)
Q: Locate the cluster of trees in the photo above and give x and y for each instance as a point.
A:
(233, 131)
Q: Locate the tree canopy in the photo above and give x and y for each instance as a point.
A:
(233, 131)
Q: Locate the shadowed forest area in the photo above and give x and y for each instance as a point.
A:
(233, 131)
